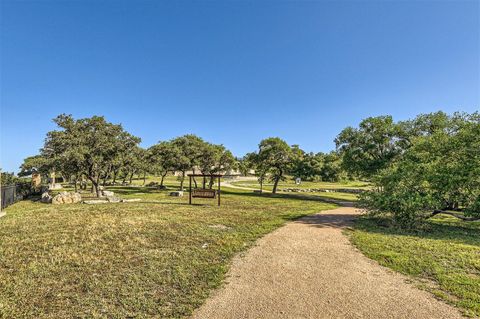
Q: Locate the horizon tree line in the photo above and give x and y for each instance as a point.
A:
(418, 167)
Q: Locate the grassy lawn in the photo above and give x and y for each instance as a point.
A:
(291, 184)
(445, 257)
(305, 185)
(158, 258)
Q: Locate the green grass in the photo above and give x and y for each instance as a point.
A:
(289, 183)
(305, 185)
(444, 257)
(158, 258)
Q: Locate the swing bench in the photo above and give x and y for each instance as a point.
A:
(204, 192)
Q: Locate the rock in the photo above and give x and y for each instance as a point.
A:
(66, 198)
(46, 198)
(36, 182)
(131, 200)
(95, 201)
(113, 199)
(108, 193)
(178, 193)
(219, 227)
(54, 186)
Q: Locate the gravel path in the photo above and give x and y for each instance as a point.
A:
(308, 269)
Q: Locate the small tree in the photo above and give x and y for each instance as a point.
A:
(275, 156)
(163, 158)
(252, 161)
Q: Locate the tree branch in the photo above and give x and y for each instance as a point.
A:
(459, 216)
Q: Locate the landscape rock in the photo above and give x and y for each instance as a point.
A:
(54, 186)
(66, 198)
(219, 227)
(108, 193)
(46, 198)
(95, 201)
(177, 193)
(322, 190)
(36, 182)
(131, 200)
(113, 199)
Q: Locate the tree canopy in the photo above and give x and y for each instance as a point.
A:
(439, 171)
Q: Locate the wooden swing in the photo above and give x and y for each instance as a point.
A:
(203, 192)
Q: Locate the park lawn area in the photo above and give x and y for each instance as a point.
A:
(305, 185)
(290, 183)
(157, 258)
(444, 257)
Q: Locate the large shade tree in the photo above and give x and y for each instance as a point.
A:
(163, 158)
(370, 147)
(438, 172)
(88, 146)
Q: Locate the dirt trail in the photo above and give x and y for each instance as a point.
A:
(308, 269)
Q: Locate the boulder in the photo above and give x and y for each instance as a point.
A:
(54, 186)
(177, 194)
(108, 193)
(46, 198)
(66, 198)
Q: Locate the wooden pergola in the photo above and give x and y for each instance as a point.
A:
(203, 192)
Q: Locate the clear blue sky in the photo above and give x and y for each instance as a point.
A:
(232, 72)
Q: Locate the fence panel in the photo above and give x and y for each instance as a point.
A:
(8, 195)
(13, 193)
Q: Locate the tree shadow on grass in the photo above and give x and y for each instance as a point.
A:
(460, 232)
(329, 220)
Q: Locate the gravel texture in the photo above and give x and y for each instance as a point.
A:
(308, 269)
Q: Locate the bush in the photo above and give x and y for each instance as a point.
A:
(438, 172)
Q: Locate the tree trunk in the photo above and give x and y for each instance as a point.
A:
(52, 175)
(75, 181)
(275, 184)
(83, 183)
(210, 184)
(144, 177)
(131, 177)
(95, 188)
(459, 216)
(163, 177)
(194, 180)
(105, 180)
(181, 180)
(107, 174)
(115, 172)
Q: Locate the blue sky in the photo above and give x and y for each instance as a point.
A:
(232, 72)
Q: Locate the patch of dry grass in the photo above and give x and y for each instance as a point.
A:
(149, 259)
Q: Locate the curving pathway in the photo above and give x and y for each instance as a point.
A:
(308, 269)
